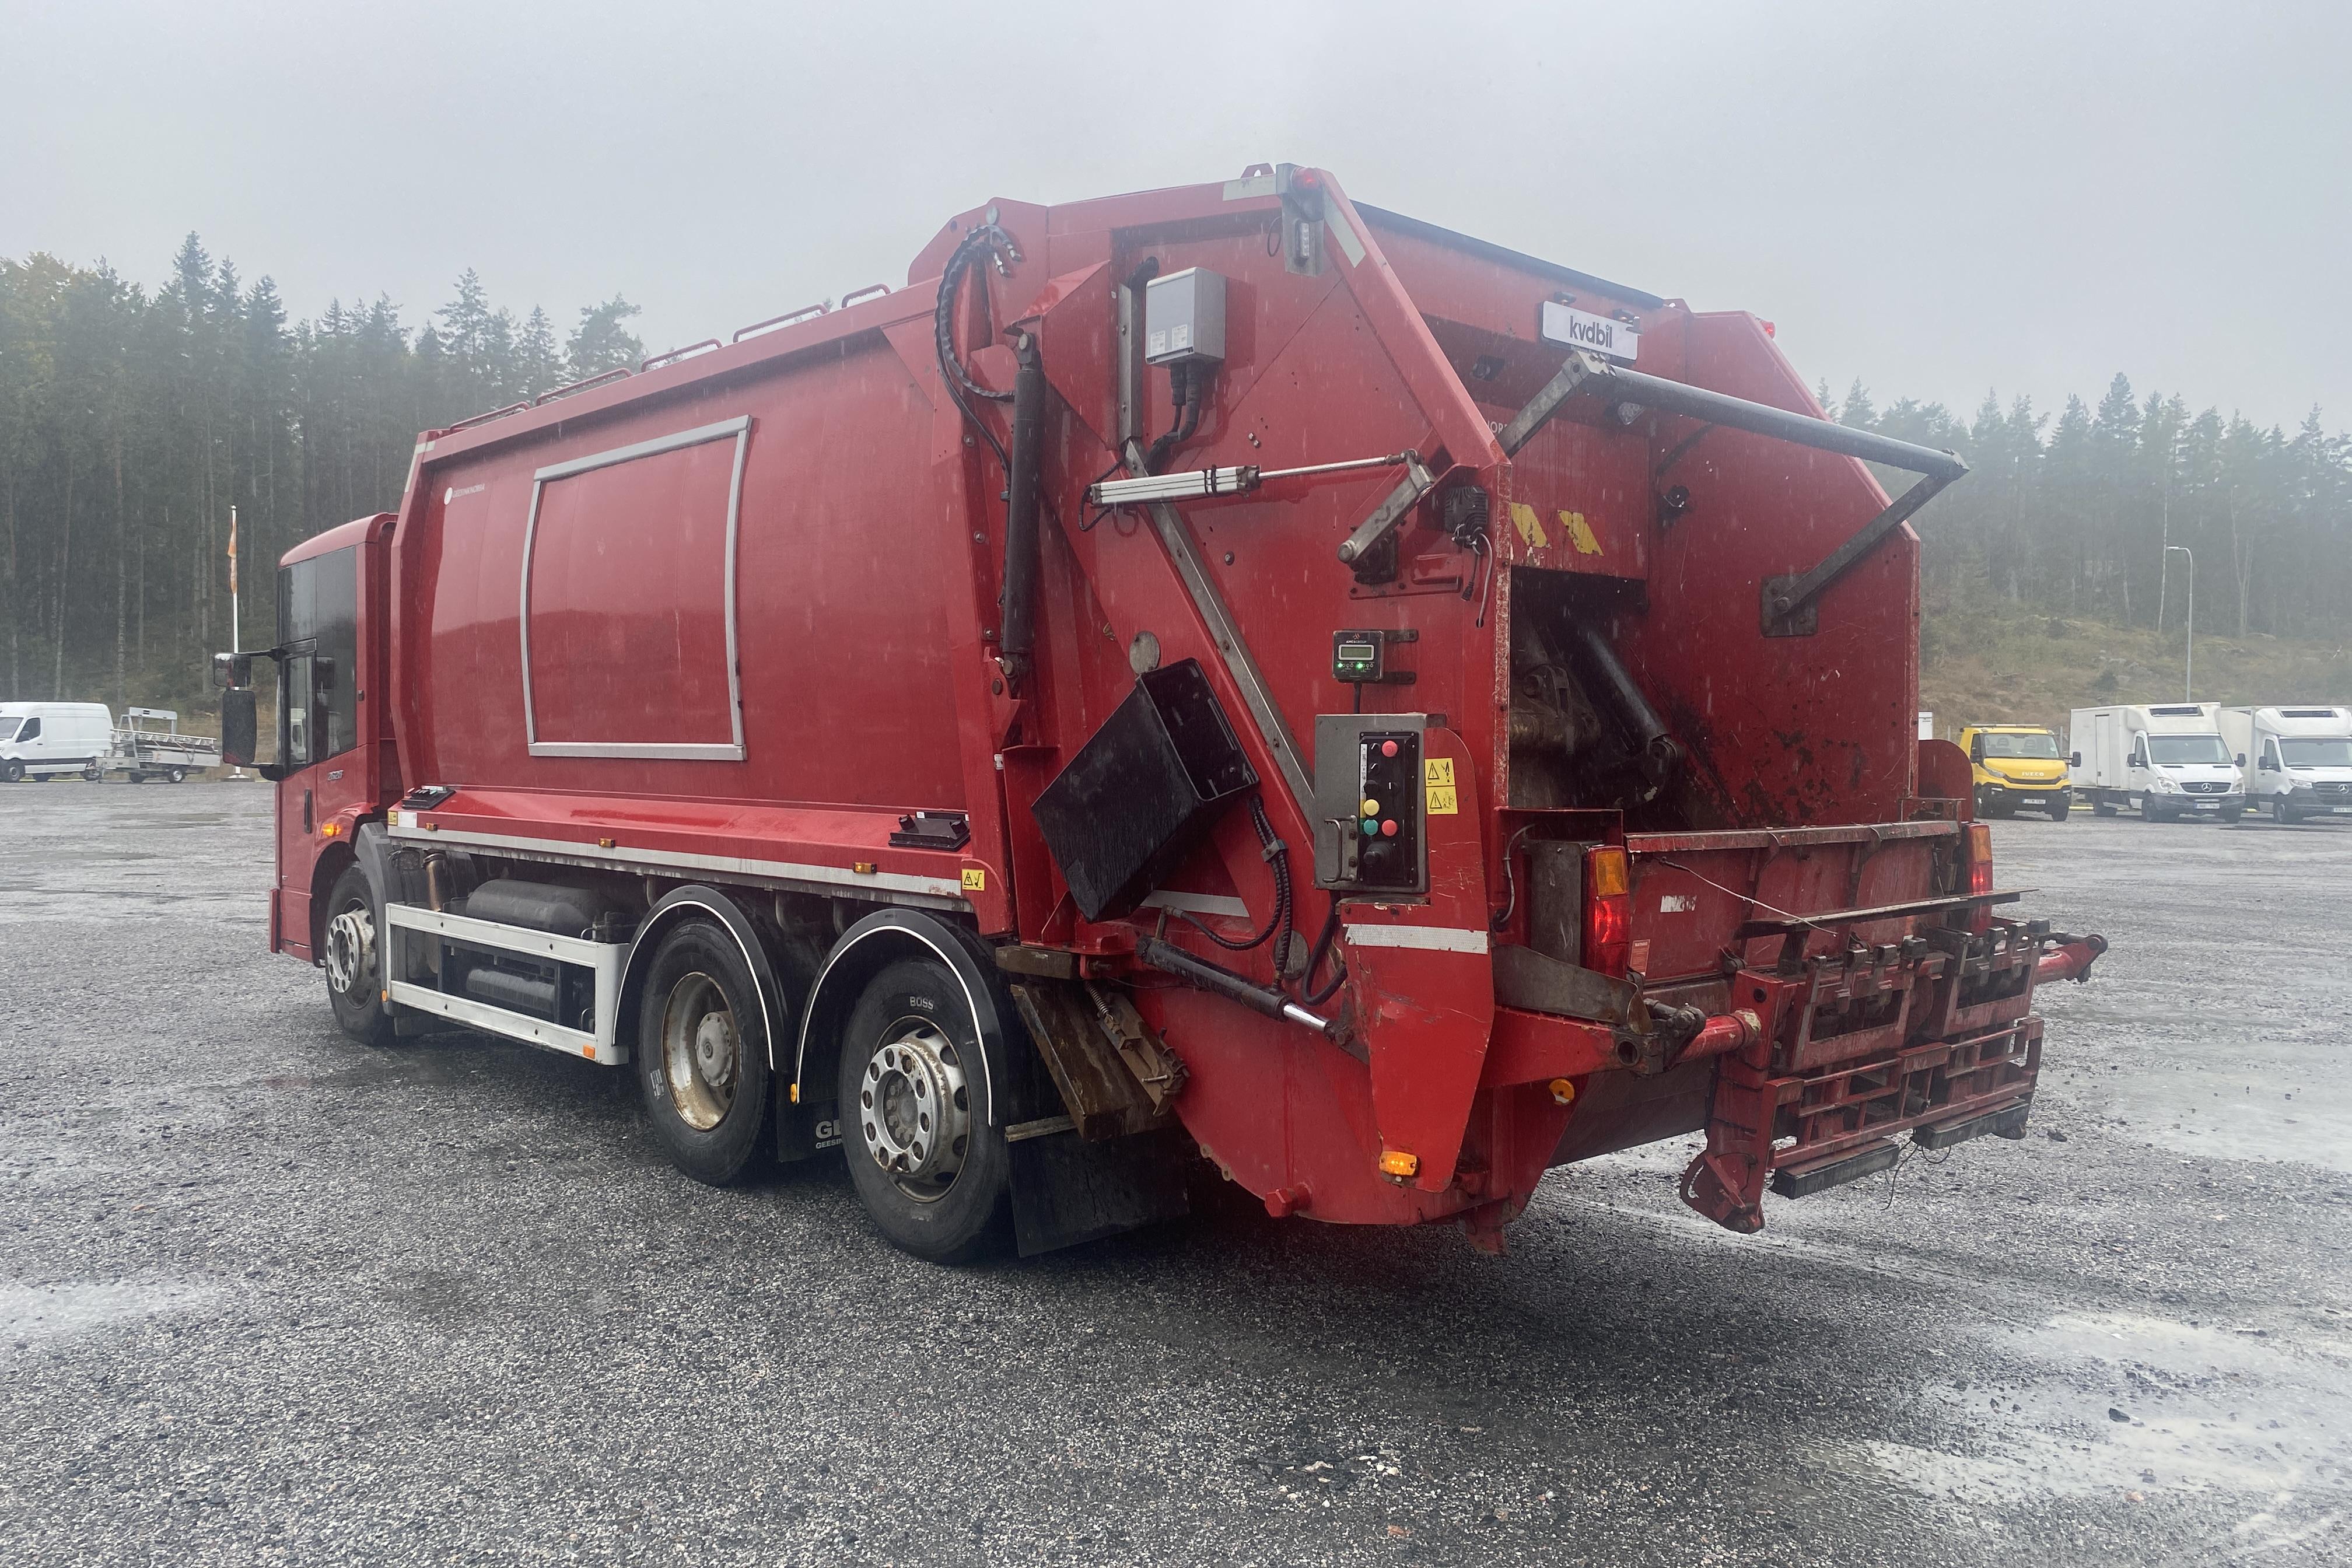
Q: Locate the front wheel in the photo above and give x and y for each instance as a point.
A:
(2060, 807)
(90, 773)
(703, 1076)
(933, 1175)
(354, 961)
(2234, 815)
(12, 772)
(178, 775)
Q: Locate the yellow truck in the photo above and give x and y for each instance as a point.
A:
(2017, 765)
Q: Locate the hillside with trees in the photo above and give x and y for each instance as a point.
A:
(132, 418)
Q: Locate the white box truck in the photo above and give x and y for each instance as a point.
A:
(2166, 759)
(40, 740)
(2298, 761)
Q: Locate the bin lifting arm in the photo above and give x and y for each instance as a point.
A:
(1790, 602)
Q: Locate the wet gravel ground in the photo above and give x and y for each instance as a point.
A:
(266, 1296)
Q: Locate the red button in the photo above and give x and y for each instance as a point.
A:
(1388, 828)
(1388, 748)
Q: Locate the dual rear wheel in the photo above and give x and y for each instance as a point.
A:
(928, 1170)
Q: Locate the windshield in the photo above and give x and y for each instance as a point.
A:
(2038, 745)
(2170, 751)
(2335, 753)
(8, 728)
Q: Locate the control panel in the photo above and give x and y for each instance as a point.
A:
(1370, 804)
(1362, 657)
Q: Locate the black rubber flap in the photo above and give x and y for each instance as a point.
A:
(1134, 800)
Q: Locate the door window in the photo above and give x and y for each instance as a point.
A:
(318, 609)
(299, 711)
(31, 732)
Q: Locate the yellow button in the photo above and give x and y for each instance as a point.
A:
(1371, 806)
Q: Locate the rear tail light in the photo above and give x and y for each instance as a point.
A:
(1980, 858)
(1608, 911)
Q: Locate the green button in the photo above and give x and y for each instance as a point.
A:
(1372, 827)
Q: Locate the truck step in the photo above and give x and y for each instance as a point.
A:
(2008, 1122)
(1803, 1181)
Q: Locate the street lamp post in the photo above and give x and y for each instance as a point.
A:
(2188, 660)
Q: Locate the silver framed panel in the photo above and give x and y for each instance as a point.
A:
(739, 429)
(602, 958)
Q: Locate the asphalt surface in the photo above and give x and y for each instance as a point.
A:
(267, 1296)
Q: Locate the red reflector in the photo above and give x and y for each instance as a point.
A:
(1979, 853)
(1608, 911)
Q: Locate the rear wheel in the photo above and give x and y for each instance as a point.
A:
(178, 775)
(931, 1172)
(2102, 807)
(702, 1065)
(353, 964)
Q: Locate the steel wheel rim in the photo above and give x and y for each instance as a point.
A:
(914, 1109)
(350, 952)
(702, 1052)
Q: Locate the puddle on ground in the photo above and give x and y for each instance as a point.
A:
(30, 1314)
(2129, 1406)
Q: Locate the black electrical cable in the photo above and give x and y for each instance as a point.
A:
(1191, 390)
(1321, 950)
(1278, 923)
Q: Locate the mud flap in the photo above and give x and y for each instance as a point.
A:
(1066, 1190)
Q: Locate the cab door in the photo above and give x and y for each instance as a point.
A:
(321, 768)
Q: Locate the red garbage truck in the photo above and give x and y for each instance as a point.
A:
(1221, 674)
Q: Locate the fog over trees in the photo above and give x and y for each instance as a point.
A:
(131, 419)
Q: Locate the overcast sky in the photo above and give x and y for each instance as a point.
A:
(1937, 199)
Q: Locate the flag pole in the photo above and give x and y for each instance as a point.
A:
(235, 637)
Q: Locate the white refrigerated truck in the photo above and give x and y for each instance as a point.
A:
(2168, 760)
(2298, 761)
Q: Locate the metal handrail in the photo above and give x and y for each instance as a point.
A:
(645, 364)
(582, 385)
(819, 309)
(472, 420)
(862, 293)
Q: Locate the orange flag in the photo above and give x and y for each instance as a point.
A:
(232, 549)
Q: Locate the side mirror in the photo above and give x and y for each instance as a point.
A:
(232, 670)
(237, 726)
(1976, 750)
(2075, 761)
(2241, 759)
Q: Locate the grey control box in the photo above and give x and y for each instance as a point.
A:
(1184, 317)
(1369, 805)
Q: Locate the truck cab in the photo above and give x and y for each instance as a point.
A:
(2297, 761)
(2017, 765)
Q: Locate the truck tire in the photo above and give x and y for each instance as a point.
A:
(350, 957)
(90, 771)
(933, 1175)
(177, 775)
(2283, 812)
(12, 772)
(703, 1076)
(2234, 815)
(2062, 807)
(2101, 805)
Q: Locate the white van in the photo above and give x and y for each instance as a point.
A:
(39, 739)
(2166, 758)
(2298, 760)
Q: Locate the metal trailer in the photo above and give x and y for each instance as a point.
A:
(142, 751)
(1223, 672)
(2296, 760)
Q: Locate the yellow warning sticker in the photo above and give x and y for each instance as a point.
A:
(1437, 786)
(1531, 526)
(1579, 533)
(975, 879)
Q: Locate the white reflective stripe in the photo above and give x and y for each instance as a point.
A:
(1198, 903)
(1434, 939)
(950, 888)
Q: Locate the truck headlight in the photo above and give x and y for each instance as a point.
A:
(2166, 786)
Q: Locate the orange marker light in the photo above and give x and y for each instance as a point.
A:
(1397, 1162)
(1563, 1091)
